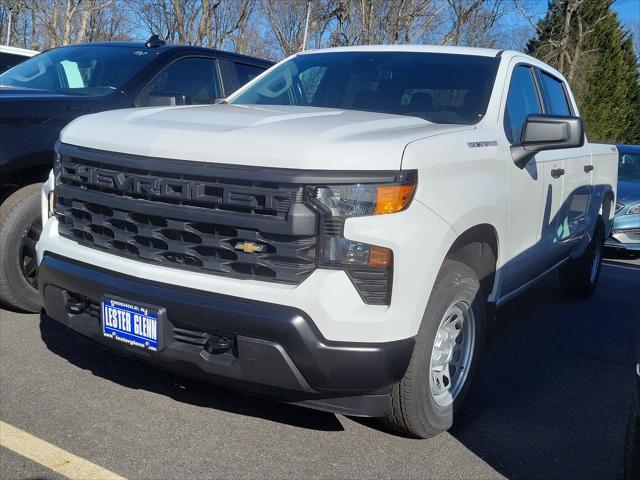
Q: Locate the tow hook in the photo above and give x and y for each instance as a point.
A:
(218, 344)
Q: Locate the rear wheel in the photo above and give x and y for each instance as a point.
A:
(431, 392)
(20, 228)
(579, 277)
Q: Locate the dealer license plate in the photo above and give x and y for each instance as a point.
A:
(126, 322)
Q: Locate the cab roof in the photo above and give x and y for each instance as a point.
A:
(484, 52)
(166, 47)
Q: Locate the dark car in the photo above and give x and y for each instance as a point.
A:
(41, 95)
(625, 234)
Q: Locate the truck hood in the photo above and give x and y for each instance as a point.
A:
(277, 136)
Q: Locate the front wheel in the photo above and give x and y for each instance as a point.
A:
(579, 277)
(445, 357)
(20, 228)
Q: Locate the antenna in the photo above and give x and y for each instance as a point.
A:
(155, 41)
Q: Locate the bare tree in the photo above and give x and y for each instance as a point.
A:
(211, 23)
(564, 47)
(473, 22)
(357, 22)
(287, 20)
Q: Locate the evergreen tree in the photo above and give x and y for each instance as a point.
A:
(584, 40)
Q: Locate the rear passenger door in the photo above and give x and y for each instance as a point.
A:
(572, 222)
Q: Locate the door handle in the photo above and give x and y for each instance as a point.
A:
(588, 168)
(557, 172)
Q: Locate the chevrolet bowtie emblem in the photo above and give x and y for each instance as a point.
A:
(249, 247)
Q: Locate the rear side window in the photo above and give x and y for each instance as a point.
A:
(247, 72)
(555, 95)
(522, 101)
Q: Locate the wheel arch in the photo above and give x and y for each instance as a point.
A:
(477, 247)
(15, 180)
(607, 211)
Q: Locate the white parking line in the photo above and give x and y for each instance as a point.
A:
(50, 456)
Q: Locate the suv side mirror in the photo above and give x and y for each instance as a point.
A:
(167, 99)
(547, 132)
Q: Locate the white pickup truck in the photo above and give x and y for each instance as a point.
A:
(337, 234)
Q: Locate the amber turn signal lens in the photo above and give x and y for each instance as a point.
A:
(390, 199)
(379, 256)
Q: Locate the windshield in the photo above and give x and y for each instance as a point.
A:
(79, 70)
(629, 166)
(441, 88)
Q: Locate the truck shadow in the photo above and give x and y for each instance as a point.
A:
(553, 394)
(133, 374)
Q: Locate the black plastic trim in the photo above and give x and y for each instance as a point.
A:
(305, 224)
(331, 369)
(282, 176)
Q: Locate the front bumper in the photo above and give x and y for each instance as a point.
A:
(278, 351)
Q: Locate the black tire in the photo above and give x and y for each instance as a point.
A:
(412, 409)
(20, 227)
(579, 277)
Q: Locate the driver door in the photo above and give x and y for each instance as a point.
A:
(535, 191)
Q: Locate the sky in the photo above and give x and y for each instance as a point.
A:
(628, 11)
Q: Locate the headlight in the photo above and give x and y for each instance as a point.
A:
(634, 210)
(370, 267)
(358, 200)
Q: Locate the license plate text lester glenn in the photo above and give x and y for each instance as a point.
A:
(122, 320)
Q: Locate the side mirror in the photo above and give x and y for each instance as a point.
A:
(167, 99)
(547, 132)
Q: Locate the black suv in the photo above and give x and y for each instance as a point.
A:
(40, 96)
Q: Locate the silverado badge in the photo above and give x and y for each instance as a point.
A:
(249, 247)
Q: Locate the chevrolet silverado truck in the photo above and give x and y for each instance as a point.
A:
(336, 235)
(41, 95)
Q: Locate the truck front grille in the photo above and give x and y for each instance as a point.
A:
(186, 215)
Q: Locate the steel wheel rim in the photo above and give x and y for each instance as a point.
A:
(27, 253)
(452, 353)
(597, 256)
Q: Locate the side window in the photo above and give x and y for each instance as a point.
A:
(555, 95)
(246, 72)
(522, 101)
(196, 77)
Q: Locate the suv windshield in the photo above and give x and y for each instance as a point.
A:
(629, 166)
(441, 88)
(79, 70)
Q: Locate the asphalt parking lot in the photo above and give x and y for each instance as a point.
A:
(551, 401)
